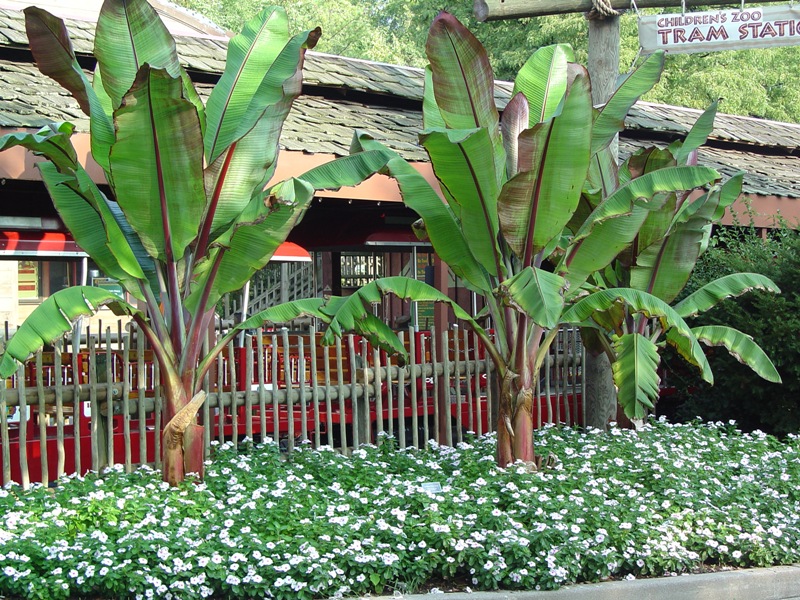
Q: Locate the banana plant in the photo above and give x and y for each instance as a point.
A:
(659, 262)
(193, 211)
(508, 217)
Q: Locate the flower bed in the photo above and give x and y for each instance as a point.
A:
(665, 500)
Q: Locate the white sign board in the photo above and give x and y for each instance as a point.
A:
(756, 27)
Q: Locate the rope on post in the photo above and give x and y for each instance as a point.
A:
(602, 9)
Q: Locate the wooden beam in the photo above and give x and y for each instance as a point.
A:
(494, 10)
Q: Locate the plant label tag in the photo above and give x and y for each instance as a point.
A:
(432, 487)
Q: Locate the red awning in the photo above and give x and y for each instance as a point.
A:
(29, 244)
(291, 252)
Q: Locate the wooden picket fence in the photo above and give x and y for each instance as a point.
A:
(95, 400)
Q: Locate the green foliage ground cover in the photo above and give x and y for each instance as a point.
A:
(668, 499)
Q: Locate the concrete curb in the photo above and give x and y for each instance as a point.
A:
(773, 583)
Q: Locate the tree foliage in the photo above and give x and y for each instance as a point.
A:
(758, 83)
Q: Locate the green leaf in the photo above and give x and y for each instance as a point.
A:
(611, 118)
(636, 374)
(664, 267)
(463, 163)
(283, 313)
(718, 290)
(535, 205)
(431, 117)
(441, 224)
(543, 80)
(678, 332)
(51, 141)
(129, 35)
(249, 243)
(537, 293)
(52, 50)
(742, 348)
(157, 164)
(617, 219)
(354, 313)
(251, 56)
(55, 317)
(697, 136)
(348, 170)
(463, 83)
(83, 208)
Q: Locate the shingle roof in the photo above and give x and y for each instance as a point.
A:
(324, 122)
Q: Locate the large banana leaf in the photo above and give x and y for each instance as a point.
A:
(157, 164)
(129, 35)
(536, 204)
(249, 244)
(611, 118)
(260, 59)
(86, 214)
(718, 290)
(283, 313)
(463, 82)
(584, 310)
(659, 220)
(80, 204)
(617, 219)
(636, 374)
(664, 267)
(54, 56)
(543, 80)
(53, 318)
(537, 293)
(741, 346)
(241, 171)
(441, 225)
(464, 165)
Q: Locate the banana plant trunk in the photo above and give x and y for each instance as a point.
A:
(515, 423)
(182, 438)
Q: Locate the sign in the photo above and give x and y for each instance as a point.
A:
(110, 285)
(756, 27)
(432, 487)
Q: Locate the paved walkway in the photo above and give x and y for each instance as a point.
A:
(774, 583)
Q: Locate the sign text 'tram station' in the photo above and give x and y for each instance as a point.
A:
(757, 27)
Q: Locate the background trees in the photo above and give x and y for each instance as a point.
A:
(751, 82)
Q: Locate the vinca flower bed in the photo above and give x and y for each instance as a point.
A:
(669, 499)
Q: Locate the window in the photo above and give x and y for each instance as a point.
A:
(38, 279)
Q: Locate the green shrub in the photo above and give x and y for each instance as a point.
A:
(772, 319)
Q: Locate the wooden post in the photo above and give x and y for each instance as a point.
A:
(495, 10)
(600, 400)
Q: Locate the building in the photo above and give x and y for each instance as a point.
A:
(357, 233)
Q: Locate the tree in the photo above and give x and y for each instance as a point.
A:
(190, 219)
(752, 82)
(513, 195)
